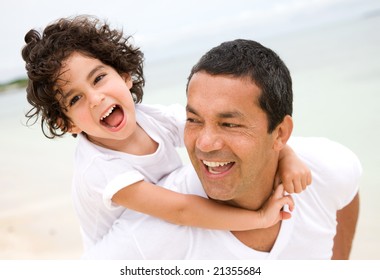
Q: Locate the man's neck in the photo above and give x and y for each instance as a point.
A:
(259, 239)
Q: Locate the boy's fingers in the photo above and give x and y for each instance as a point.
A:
(291, 202)
(285, 215)
(289, 186)
(309, 178)
(303, 183)
(279, 191)
(299, 186)
(288, 200)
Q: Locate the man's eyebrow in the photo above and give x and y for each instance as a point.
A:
(190, 110)
(222, 115)
(230, 115)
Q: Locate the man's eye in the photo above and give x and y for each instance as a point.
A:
(191, 120)
(74, 100)
(230, 125)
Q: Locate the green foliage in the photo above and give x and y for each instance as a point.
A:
(17, 83)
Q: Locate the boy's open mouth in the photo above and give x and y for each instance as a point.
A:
(113, 117)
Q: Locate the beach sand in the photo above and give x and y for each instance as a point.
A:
(37, 220)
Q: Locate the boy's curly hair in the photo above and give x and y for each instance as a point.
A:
(44, 53)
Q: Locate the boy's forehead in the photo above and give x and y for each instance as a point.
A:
(60, 83)
(77, 66)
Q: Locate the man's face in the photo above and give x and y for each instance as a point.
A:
(227, 140)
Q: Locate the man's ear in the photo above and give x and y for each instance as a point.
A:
(282, 133)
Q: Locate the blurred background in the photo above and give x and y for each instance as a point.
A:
(330, 46)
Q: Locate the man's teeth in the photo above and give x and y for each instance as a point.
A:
(108, 112)
(214, 164)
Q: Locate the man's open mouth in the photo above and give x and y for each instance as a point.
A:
(113, 117)
(216, 167)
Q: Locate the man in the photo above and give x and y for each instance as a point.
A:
(238, 119)
(239, 112)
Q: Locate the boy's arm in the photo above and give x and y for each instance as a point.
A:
(193, 210)
(292, 172)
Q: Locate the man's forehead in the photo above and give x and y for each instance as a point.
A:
(222, 90)
(219, 112)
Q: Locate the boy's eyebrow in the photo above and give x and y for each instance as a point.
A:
(93, 71)
(90, 74)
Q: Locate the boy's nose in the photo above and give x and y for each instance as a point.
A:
(96, 99)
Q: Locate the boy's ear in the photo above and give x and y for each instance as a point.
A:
(282, 133)
(128, 80)
(73, 129)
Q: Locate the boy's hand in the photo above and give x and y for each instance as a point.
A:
(292, 172)
(273, 210)
(295, 178)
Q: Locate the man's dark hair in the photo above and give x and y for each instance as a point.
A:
(246, 58)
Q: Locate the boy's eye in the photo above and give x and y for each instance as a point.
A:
(74, 100)
(98, 78)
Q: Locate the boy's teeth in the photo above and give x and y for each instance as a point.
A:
(214, 164)
(108, 113)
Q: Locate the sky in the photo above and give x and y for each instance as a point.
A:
(166, 28)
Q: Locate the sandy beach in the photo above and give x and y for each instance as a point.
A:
(337, 92)
(36, 215)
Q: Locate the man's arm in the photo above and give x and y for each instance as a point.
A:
(347, 219)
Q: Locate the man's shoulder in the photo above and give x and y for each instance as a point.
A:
(183, 180)
(323, 154)
(335, 169)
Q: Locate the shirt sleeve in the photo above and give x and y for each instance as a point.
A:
(107, 176)
(350, 171)
(171, 119)
(120, 182)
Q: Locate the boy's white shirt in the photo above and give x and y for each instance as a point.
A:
(99, 172)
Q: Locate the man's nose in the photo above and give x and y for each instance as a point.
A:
(209, 140)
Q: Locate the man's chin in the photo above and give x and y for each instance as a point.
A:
(216, 192)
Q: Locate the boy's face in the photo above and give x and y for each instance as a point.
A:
(97, 100)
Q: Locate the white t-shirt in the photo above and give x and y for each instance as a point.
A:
(99, 172)
(307, 235)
